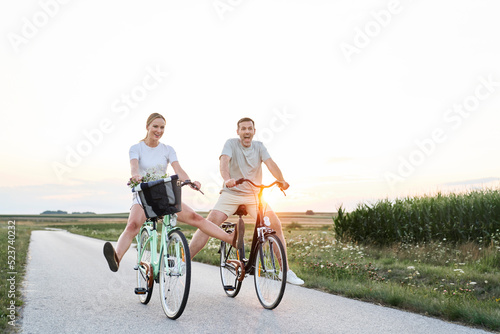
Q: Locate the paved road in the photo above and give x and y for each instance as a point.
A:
(69, 289)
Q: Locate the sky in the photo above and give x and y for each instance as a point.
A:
(356, 101)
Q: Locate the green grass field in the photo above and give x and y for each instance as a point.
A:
(458, 283)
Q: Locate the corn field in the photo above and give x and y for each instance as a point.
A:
(455, 218)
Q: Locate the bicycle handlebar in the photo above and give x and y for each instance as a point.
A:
(168, 179)
(240, 181)
(193, 186)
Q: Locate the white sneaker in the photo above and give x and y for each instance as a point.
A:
(291, 278)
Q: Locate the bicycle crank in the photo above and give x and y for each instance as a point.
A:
(239, 268)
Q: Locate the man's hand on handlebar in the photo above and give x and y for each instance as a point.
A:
(230, 183)
(283, 185)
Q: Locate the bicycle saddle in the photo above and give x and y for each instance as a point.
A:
(241, 211)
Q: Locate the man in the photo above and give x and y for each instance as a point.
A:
(242, 158)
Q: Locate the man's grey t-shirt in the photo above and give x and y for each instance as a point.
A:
(246, 162)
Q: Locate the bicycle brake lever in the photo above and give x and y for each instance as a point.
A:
(281, 188)
(192, 185)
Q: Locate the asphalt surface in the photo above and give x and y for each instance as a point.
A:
(70, 289)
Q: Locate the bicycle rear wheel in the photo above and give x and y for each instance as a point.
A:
(144, 270)
(175, 275)
(269, 263)
(228, 271)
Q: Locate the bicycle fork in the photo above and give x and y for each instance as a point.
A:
(262, 232)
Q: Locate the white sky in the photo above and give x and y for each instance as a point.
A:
(342, 93)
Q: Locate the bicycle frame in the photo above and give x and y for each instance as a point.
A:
(260, 232)
(267, 259)
(168, 264)
(169, 222)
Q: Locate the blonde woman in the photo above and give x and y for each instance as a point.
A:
(152, 156)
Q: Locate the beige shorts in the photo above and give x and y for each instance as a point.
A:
(228, 203)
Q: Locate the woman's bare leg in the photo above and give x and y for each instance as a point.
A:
(189, 216)
(135, 220)
(200, 238)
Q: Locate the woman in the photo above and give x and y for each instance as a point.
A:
(149, 155)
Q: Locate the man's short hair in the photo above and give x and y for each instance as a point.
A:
(245, 119)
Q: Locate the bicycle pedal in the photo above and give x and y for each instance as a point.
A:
(140, 291)
(228, 288)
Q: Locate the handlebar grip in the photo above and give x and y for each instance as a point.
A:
(192, 185)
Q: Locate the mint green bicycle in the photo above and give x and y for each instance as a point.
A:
(170, 266)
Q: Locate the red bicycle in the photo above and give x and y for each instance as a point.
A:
(266, 261)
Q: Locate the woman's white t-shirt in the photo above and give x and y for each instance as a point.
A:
(152, 159)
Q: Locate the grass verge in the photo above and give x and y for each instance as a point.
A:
(14, 242)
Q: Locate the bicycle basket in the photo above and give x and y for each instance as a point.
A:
(161, 197)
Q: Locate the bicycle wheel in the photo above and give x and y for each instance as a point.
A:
(144, 270)
(175, 275)
(228, 271)
(269, 263)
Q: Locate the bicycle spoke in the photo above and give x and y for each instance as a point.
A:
(144, 256)
(175, 275)
(228, 272)
(268, 285)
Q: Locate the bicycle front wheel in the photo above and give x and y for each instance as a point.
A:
(270, 271)
(175, 275)
(144, 270)
(228, 271)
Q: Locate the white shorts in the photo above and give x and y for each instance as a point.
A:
(135, 200)
(228, 203)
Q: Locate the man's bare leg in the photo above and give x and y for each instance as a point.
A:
(276, 225)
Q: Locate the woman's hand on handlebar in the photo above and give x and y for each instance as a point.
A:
(136, 178)
(195, 185)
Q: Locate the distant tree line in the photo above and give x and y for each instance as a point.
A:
(60, 212)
